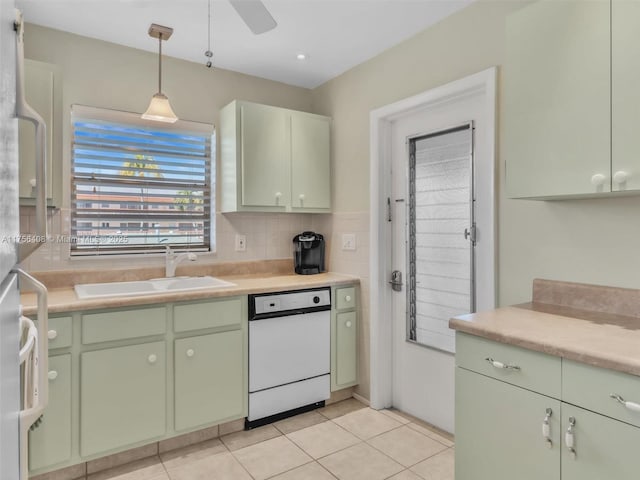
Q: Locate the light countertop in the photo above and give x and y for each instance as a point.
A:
(607, 340)
(65, 299)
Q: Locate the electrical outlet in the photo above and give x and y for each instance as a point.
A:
(241, 243)
(348, 241)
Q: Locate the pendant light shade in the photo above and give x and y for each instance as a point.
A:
(159, 108)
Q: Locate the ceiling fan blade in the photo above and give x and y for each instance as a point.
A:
(255, 15)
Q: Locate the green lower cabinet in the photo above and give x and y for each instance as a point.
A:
(122, 397)
(604, 448)
(344, 372)
(499, 431)
(50, 443)
(210, 383)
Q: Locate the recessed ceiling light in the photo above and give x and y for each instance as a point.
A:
(301, 56)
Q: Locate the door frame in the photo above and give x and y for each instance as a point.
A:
(380, 233)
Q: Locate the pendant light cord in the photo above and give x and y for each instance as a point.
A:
(208, 53)
(160, 64)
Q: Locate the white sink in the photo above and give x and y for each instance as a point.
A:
(148, 287)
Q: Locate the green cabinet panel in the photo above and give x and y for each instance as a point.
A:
(122, 397)
(50, 443)
(60, 332)
(211, 314)
(123, 324)
(210, 384)
(557, 99)
(274, 159)
(499, 431)
(345, 361)
(310, 161)
(605, 448)
(590, 387)
(535, 371)
(345, 298)
(265, 157)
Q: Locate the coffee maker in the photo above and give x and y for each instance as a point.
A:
(308, 253)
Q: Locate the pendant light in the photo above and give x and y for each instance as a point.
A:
(159, 109)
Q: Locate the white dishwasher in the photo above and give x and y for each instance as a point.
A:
(289, 353)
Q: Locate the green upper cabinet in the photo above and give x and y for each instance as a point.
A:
(310, 175)
(625, 95)
(557, 98)
(43, 92)
(274, 159)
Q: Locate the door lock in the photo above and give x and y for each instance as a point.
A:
(396, 281)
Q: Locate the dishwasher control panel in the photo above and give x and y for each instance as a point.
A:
(286, 301)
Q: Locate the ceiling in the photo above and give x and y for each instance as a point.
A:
(335, 35)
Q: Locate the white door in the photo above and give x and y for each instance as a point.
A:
(433, 220)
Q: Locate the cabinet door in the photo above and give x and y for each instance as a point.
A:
(605, 448)
(499, 431)
(625, 95)
(557, 99)
(210, 380)
(265, 156)
(345, 371)
(39, 92)
(310, 162)
(122, 397)
(50, 443)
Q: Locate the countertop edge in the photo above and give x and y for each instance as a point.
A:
(558, 349)
(64, 299)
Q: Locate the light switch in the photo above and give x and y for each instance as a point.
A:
(348, 241)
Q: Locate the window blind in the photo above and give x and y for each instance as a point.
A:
(138, 186)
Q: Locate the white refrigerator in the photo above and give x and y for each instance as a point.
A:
(16, 416)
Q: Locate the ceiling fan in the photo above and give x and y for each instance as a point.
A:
(255, 15)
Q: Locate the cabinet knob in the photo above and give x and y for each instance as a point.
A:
(301, 196)
(52, 334)
(347, 298)
(278, 194)
(153, 358)
(52, 375)
(621, 177)
(598, 179)
(348, 324)
(190, 352)
(33, 183)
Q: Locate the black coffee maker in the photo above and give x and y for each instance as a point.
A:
(308, 253)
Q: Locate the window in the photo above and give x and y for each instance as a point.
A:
(154, 178)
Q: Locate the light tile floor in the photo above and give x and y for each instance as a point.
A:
(346, 440)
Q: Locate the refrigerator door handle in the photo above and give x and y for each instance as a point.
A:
(31, 415)
(26, 112)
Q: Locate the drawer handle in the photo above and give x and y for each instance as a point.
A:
(634, 407)
(546, 428)
(52, 334)
(153, 358)
(190, 353)
(52, 375)
(348, 324)
(501, 365)
(347, 298)
(569, 438)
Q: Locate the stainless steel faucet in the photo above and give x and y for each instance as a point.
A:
(172, 260)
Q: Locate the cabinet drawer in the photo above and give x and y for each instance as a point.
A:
(217, 313)
(535, 371)
(60, 332)
(123, 324)
(345, 298)
(590, 387)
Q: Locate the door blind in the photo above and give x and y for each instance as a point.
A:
(440, 254)
(138, 185)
